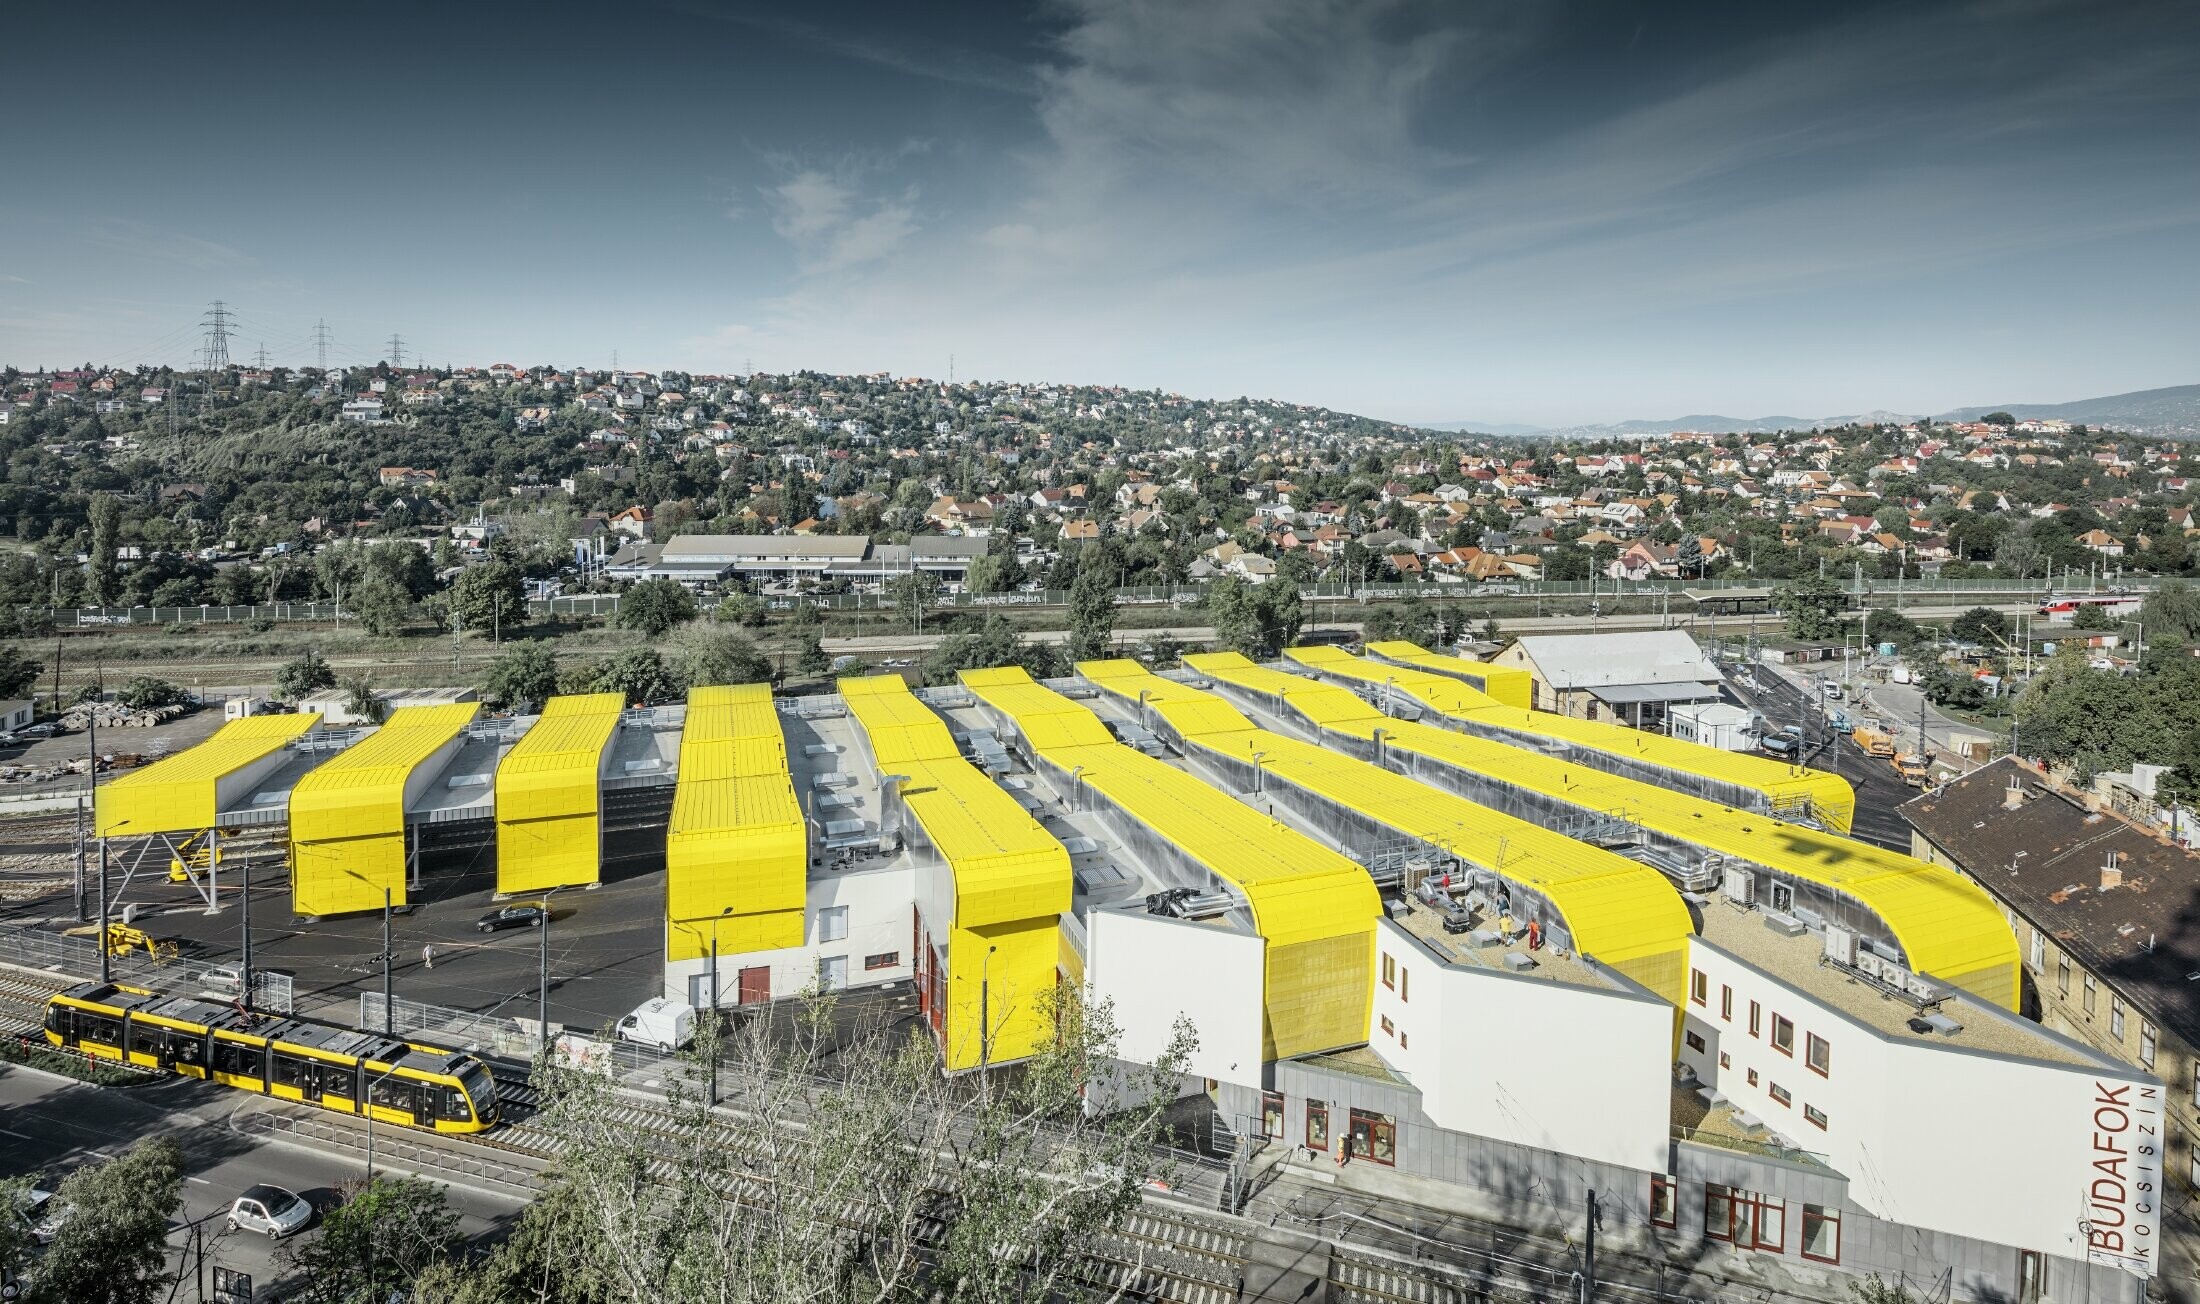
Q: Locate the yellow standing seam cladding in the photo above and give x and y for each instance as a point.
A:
(737, 851)
(1011, 878)
(1946, 925)
(1315, 908)
(1832, 800)
(179, 794)
(549, 798)
(1622, 913)
(347, 817)
(1508, 685)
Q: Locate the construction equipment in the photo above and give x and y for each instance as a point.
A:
(193, 858)
(123, 939)
(1874, 742)
(1913, 768)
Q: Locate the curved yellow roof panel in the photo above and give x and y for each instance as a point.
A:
(180, 794)
(1623, 913)
(1946, 925)
(1011, 876)
(1507, 685)
(549, 794)
(1315, 908)
(737, 848)
(347, 816)
(1828, 797)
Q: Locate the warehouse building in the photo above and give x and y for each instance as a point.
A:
(1627, 679)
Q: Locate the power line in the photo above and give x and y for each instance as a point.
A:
(217, 337)
(397, 352)
(260, 361)
(320, 343)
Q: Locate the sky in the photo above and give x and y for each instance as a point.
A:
(1505, 212)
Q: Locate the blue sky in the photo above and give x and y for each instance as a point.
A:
(1505, 212)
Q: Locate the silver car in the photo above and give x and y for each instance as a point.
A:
(271, 1211)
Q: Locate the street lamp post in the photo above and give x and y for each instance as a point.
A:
(542, 959)
(387, 1015)
(985, 1007)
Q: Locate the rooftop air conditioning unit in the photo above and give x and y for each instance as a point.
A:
(1740, 887)
(1841, 947)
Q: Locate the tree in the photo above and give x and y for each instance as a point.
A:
(310, 673)
(1690, 557)
(2092, 617)
(1091, 614)
(16, 1241)
(144, 692)
(525, 677)
(1256, 620)
(812, 660)
(376, 1245)
(1981, 625)
(360, 699)
(18, 673)
(704, 654)
(911, 594)
(740, 609)
(2171, 613)
(114, 1248)
(1012, 1180)
(488, 596)
(639, 673)
(1998, 419)
(655, 607)
(1812, 605)
(101, 577)
(2017, 551)
(380, 603)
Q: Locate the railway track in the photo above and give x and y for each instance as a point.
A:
(1158, 1253)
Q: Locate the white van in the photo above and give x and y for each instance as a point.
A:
(660, 1022)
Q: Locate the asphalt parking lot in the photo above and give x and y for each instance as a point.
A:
(604, 945)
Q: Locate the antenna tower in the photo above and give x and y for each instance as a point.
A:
(259, 360)
(321, 340)
(217, 337)
(397, 352)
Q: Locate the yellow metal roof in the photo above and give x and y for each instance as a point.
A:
(177, 795)
(347, 816)
(1623, 913)
(1509, 685)
(549, 830)
(1006, 865)
(1832, 801)
(1315, 908)
(737, 850)
(1945, 924)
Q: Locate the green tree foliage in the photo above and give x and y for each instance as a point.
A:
(16, 1241)
(1259, 620)
(114, 1248)
(1406, 617)
(488, 596)
(376, 1245)
(1884, 626)
(2171, 613)
(655, 607)
(704, 654)
(1091, 614)
(360, 699)
(18, 673)
(525, 677)
(640, 674)
(102, 586)
(2093, 619)
(1812, 605)
(1013, 1179)
(911, 594)
(379, 603)
(2099, 720)
(310, 673)
(742, 609)
(144, 692)
(994, 643)
(1982, 625)
(813, 661)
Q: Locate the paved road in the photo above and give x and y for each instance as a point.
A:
(51, 1127)
(1878, 789)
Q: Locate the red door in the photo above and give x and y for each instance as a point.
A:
(756, 985)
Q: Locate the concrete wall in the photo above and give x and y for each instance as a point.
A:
(1152, 969)
(1582, 1071)
(879, 922)
(1932, 1135)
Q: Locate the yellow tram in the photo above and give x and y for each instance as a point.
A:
(290, 1059)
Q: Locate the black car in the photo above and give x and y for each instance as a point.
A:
(529, 915)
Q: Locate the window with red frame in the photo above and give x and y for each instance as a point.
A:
(1665, 1205)
(1821, 1241)
(1818, 1054)
(1783, 1034)
(1726, 1002)
(1699, 987)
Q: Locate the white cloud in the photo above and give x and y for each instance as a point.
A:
(833, 228)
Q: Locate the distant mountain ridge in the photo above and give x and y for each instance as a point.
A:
(2174, 412)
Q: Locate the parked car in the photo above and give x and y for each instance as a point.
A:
(529, 914)
(36, 731)
(272, 1211)
(41, 1213)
